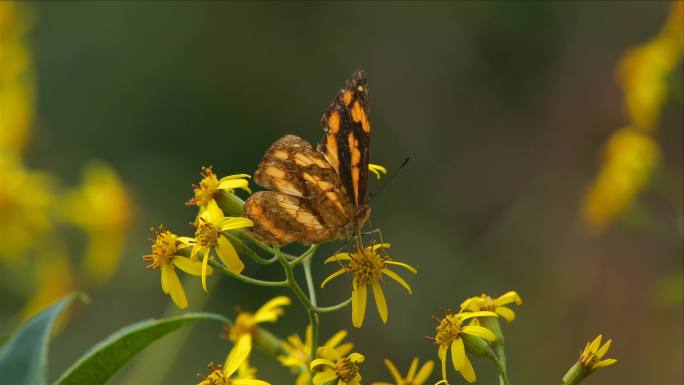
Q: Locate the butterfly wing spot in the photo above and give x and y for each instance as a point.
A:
(282, 155)
(355, 161)
(347, 98)
(334, 122)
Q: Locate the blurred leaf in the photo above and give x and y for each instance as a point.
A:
(23, 359)
(103, 360)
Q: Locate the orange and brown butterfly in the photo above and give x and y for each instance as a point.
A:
(318, 194)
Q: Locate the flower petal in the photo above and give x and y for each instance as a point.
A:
(358, 304)
(377, 246)
(324, 376)
(332, 276)
(164, 278)
(175, 288)
(380, 301)
(189, 266)
(393, 371)
(233, 223)
(338, 257)
(412, 369)
(336, 339)
(397, 278)
(402, 264)
(227, 254)
(320, 362)
(604, 349)
(238, 354)
(458, 355)
(205, 261)
(241, 381)
(231, 184)
(442, 352)
(510, 297)
(464, 316)
(271, 310)
(506, 313)
(479, 331)
(467, 371)
(606, 362)
(424, 373)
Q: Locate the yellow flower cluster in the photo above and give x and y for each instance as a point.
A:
(34, 209)
(631, 154)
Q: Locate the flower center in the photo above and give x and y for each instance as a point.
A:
(206, 188)
(217, 376)
(367, 266)
(346, 369)
(206, 234)
(244, 324)
(163, 249)
(448, 330)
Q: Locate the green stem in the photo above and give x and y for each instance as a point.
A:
(241, 234)
(306, 255)
(216, 264)
(313, 316)
(334, 308)
(503, 376)
(241, 248)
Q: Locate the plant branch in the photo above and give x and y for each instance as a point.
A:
(244, 278)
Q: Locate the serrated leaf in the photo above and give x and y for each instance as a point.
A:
(100, 363)
(23, 359)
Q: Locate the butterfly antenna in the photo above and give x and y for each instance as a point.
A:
(387, 180)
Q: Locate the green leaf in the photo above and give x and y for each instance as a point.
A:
(104, 359)
(23, 359)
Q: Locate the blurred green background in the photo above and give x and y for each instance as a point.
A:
(502, 107)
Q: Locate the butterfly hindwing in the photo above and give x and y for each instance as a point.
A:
(347, 136)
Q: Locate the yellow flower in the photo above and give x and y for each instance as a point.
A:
(368, 267)
(644, 71)
(17, 79)
(334, 366)
(165, 257)
(448, 334)
(103, 209)
(245, 326)
(497, 305)
(377, 169)
(26, 198)
(298, 357)
(221, 375)
(630, 157)
(412, 378)
(210, 185)
(209, 236)
(592, 356)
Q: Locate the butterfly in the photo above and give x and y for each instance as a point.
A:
(317, 195)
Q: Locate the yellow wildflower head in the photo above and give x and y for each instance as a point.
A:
(165, 257)
(448, 334)
(591, 357)
(367, 267)
(413, 377)
(377, 169)
(210, 185)
(102, 207)
(496, 305)
(298, 357)
(246, 322)
(236, 362)
(332, 366)
(210, 225)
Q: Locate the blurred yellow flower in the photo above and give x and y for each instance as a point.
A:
(368, 267)
(207, 188)
(245, 326)
(412, 377)
(16, 80)
(644, 71)
(221, 375)
(102, 207)
(210, 226)
(448, 334)
(497, 305)
(298, 357)
(54, 278)
(165, 257)
(332, 366)
(377, 169)
(629, 158)
(26, 199)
